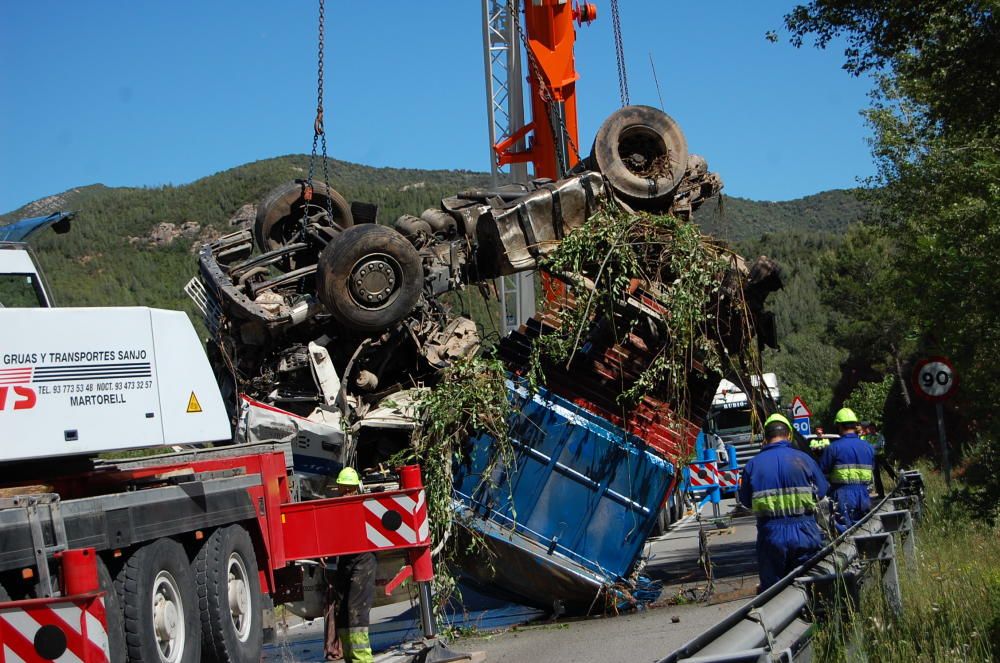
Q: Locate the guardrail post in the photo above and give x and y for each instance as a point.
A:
(882, 549)
(901, 522)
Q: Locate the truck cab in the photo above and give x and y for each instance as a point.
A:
(21, 282)
(730, 416)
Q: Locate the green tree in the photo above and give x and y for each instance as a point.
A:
(936, 122)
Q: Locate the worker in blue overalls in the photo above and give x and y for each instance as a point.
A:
(848, 463)
(782, 487)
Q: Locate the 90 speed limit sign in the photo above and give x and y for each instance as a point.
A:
(934, 378)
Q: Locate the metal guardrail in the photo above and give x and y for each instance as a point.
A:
(779, 624)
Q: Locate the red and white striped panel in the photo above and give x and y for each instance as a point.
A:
(395, 521)
(61, 630)
(16, 375)
(703, 475)
(729, 478)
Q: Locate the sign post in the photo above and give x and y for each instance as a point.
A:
(935, 380)
(801, 417)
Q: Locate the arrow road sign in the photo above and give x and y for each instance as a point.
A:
(800, 409)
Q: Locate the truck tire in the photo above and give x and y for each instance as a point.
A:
(113, 617)
(369, 278)
(229, 597)
(160, 605)
(642, 153)
(661, 523)
(281, 211)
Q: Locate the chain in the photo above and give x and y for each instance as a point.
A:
(620, 53)
(319, 134)
(544, 92)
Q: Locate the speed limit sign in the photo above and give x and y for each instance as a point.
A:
(934, 378)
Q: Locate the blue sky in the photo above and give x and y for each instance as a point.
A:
(145, 93)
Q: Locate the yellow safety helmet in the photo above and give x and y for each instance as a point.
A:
(348, 477)
(845, 415)
(780, 418)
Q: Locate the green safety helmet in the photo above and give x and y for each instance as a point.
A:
(780, 418)
(348, 477)
(845, 415)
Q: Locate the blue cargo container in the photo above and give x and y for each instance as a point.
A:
(571, 517)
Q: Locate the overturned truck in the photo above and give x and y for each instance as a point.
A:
(327, 328)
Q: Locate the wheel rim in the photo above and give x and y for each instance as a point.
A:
(168, 617)
(240, 610)
(375, 281)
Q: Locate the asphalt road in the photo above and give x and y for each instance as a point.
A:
(641, 637)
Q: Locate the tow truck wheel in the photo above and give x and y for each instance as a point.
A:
(229, 597)
(281, 212)
(369, 278)
(643, 154)
(113, 616)
(160, 605)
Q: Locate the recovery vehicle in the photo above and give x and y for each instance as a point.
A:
(172, 557)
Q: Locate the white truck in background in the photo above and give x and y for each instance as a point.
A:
(171, 558)
(730, 416)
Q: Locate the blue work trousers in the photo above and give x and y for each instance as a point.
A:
(853, 503)
(783, 544)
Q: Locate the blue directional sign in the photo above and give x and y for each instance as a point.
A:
(801, 424)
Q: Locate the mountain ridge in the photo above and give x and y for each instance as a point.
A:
(134, 245)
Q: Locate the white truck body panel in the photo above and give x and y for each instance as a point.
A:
(91, 380)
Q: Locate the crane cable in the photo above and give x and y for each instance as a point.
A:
(319, 135)
(616, 23)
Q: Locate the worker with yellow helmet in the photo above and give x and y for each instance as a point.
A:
(848, 464)
(349, 613)
(782, 487)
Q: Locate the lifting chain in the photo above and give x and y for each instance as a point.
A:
(616, 22)
(319, 135)
(544, 91)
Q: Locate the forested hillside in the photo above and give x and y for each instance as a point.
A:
(116, 253)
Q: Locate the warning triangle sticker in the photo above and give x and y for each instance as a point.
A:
(193, 404)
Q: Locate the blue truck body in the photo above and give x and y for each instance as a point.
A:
(568, 521)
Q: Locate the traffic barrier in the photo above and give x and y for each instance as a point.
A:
(70, 628)
(779, 625)
(729, 479)
(703, 475)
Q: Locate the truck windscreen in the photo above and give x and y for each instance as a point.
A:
(20, 291)
(731, 418)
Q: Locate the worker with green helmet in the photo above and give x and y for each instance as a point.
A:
(848, 463)
(349, 612)
(782, 486)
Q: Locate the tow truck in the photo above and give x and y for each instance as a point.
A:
(107, 554)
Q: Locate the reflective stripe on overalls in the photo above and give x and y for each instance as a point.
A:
(357, 644)
(851, 474)
(783, 502)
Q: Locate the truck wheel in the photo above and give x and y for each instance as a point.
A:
(279, 214)
(160, 605)
(369, 278)
(113, 617)
(229, 597)
(643, 154)
(661, 523)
